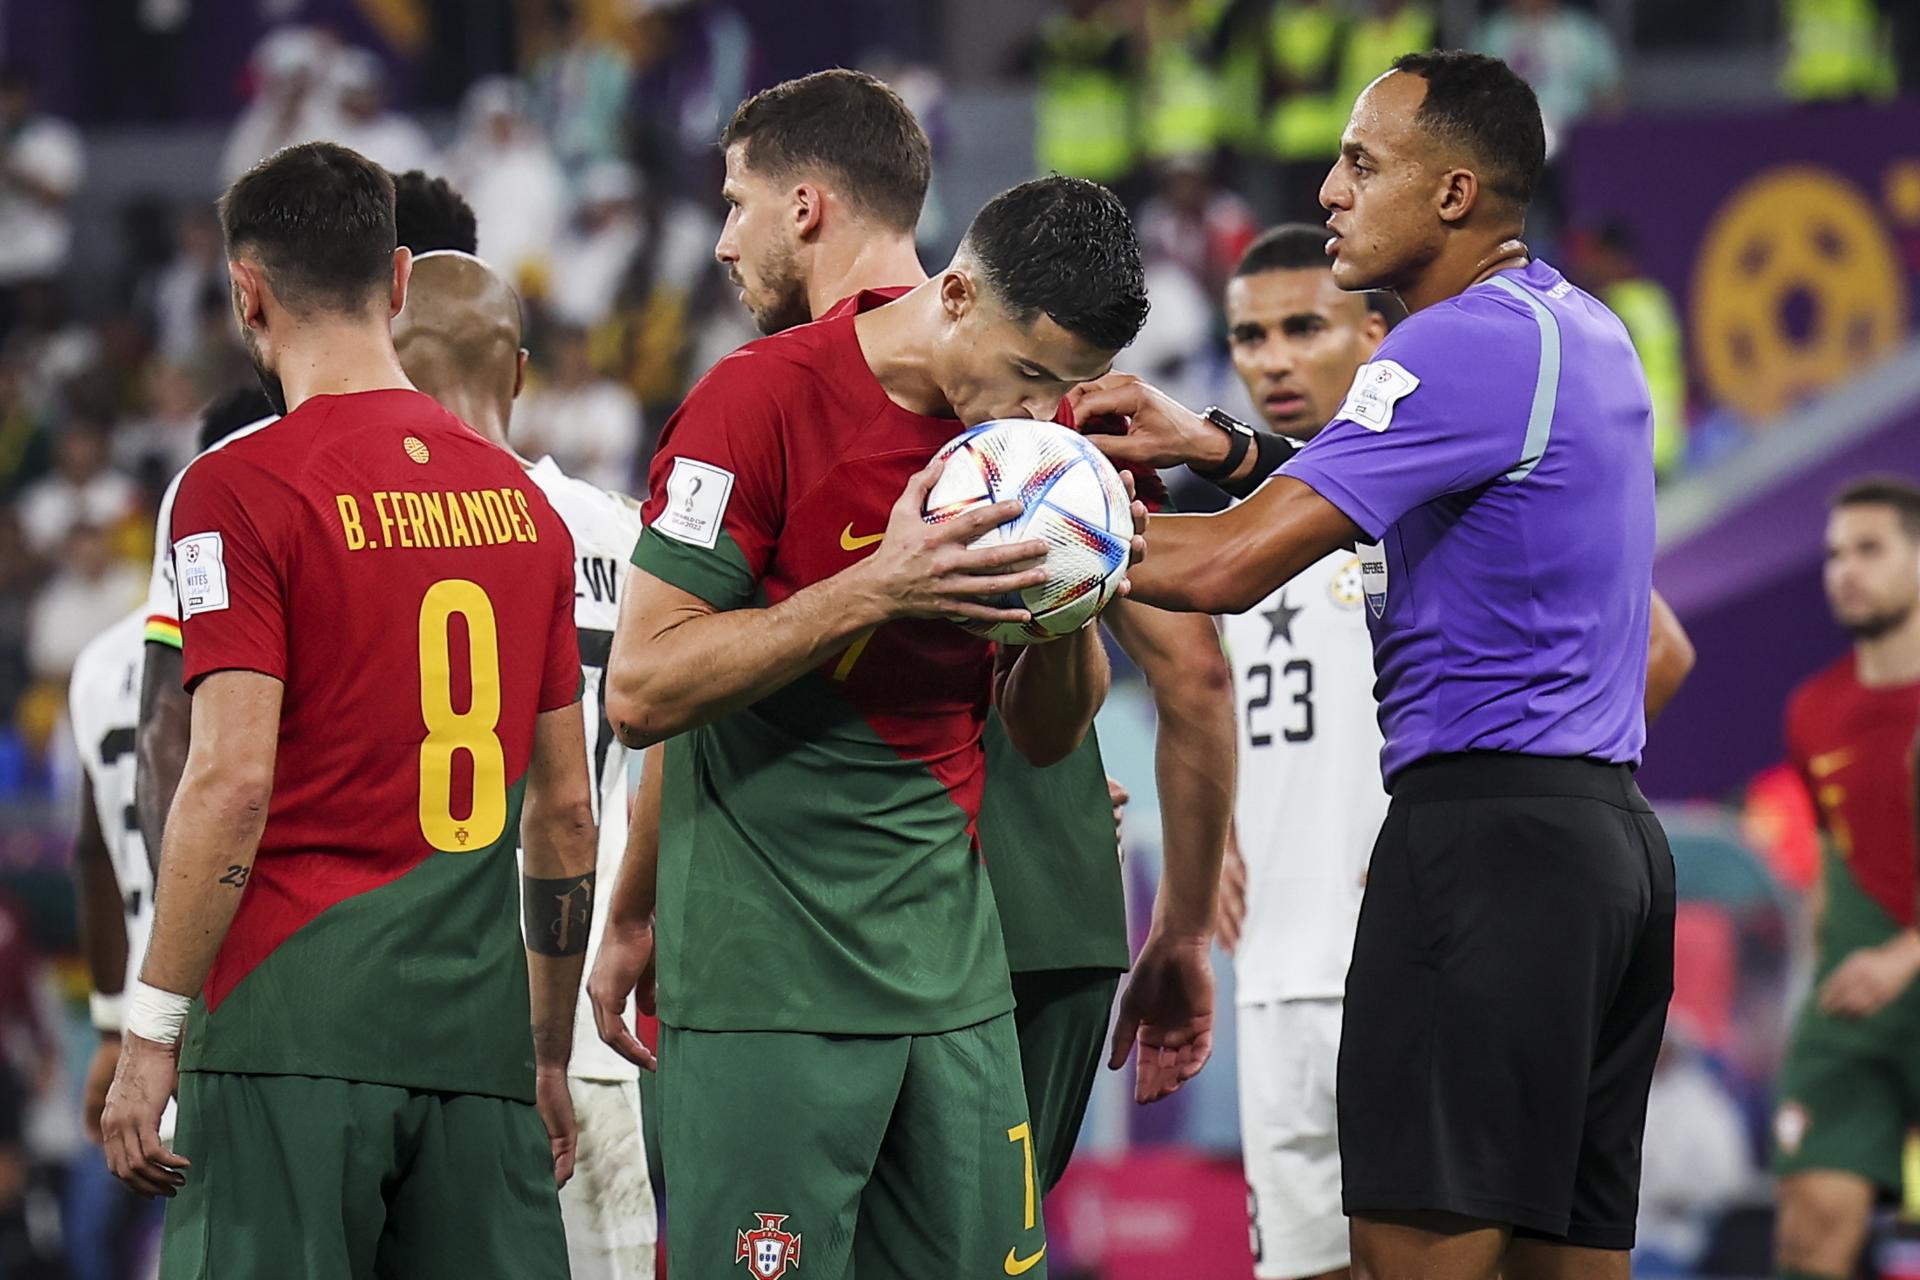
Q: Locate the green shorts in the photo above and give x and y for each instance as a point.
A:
(1850, 1087)
(1062, 1017)
(817, 1157)
(300, 1178)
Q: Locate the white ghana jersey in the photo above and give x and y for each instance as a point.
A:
(605, 527)
(1310, 797)
(163, 603)
(103, 702)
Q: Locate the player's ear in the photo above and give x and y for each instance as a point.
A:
(809, 205)
(402, 273)
(520, 373)
(958, 292)
(1459, 193)
(249, 294)
(1375, 329)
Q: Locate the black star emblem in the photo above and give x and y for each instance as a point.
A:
(1280, 618)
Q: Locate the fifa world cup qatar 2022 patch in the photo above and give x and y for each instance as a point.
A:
(200, 573)
(1376, 388)
(696, 510)
(767, 1250)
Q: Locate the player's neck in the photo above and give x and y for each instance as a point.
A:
(1890, 659)
(1460, 267)
(893, 339)
(883, 261)
(488, 419)
(338, 359)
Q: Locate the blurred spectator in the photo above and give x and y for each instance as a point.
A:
(1696, 1162)
(1305, 83)
(1184, 92)
(592, 260)
(87, 593)
(82, 490)
(41, 165)
(588, 422)
(1840, 49)
(29, 1071)
(293, 101)
(1196, 225)
(173, 297)
(1565, 54)
(385, 137)
(48, 347)
(505, 169)
(1603, 262)
(161, 440)
(699, 62)
(1086, 63)
(580, 91)
(1385, 30)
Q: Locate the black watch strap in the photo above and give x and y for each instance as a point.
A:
(1239, 440)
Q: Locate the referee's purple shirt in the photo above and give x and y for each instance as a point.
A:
(1500, 448)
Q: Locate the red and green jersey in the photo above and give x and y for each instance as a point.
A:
(412, 590)
(818, 864)
(1852, 745)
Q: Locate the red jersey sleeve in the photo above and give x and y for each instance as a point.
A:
(229, 569)
(562, 681)
(716, 490)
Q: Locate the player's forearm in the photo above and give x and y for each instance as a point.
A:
(103, 924)
(687, 671)
(1050, 693)
(1194, 755)
(160, 744)
(636, 888)
(213, 835)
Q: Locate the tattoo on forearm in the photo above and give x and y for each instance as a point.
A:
(236, 876)
(557, 913)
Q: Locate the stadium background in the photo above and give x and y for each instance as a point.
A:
(1741, 179)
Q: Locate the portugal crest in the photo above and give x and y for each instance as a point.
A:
(767, 1250)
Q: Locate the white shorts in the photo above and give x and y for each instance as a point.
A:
(1289, 1137)
(607, 1206)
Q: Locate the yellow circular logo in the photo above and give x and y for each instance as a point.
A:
(1345, 588)
(416, 449)
(1797, 284)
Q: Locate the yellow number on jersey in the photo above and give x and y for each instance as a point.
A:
(472, 730)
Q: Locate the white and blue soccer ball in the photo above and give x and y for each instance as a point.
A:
(1074, 501)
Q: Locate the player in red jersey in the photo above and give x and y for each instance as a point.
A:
(840, 1077)
(377, 607)
(1850, 1088)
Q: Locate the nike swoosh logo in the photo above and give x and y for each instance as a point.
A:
(1822, 765)
(850, 543)
(1015, 1265)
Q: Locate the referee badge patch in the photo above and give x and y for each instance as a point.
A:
(697, 494)
(200, 574)
(1376, 388)
(1373, 576)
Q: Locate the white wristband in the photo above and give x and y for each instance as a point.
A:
(106, 1011)
(156, 1015)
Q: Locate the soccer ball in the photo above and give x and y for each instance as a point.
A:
(1074, 501)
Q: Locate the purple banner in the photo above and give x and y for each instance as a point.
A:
(1789, 238)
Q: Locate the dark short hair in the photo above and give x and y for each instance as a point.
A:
(1898, 492)
(1302, 246)
(320, 218)
(1064, 246)
(1484, 105)
(229, 413)
(848, 123)
(428, 214)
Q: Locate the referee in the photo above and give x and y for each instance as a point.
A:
(1514, 956)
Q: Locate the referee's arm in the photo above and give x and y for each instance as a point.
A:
(1230, 561)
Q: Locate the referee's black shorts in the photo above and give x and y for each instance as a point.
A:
(1507, 997)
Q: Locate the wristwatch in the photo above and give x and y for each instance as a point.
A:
(1240, 438)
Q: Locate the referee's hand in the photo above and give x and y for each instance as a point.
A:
(1168, 1012)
